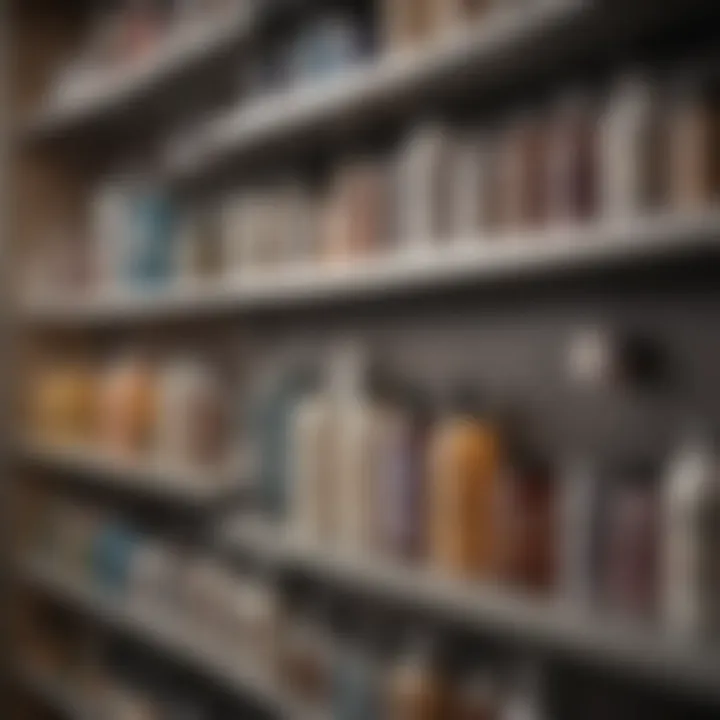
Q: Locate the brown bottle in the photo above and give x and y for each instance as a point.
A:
(415, 689)
(694, 148)
(528, 525)
(464, 469)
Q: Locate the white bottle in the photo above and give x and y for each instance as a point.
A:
(310, 463)
(356, 434)
(423, 188)
(626, 137)
(190, 430)
(691, 538)
(110, 226)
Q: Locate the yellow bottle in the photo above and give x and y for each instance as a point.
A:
(464, 472)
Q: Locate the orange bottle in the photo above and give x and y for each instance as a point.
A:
(464, 473)
(127, 406)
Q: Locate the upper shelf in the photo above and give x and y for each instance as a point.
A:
(511, 39)
(470, 263)
(197, 488)
(119, 89)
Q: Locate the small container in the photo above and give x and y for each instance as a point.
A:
(127, 408)
(308, 657)
(425, 188)
(573, 164)
(631, 160)
(275, 398)
(691, 538)
(152, 228)
(473, 169)
(112, 556)
(578, 529)
(401, 489)
(522, 193)
(199, 251)
(190, 415)
(407, 23)
(110, 214)
(312, 464)
(630, 560)
(694, 146)
(63, 403)
(356, 214)
(529, 543)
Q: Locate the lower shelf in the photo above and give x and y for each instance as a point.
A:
(559, 629)
(169, 635)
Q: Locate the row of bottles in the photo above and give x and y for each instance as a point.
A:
(172, 412)
(224, 609)
(359, 464)
(368, 675)
(646, 148)
(120, 35)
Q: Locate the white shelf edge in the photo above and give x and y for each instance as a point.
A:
(474, 261)
(139, 477)
(184, 48)
(559, 628)
(372, 84)
(163, 632)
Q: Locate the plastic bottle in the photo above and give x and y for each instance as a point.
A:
(691, 537)
(465, 453)
(190, 419)
(578, 518)
(311, 464)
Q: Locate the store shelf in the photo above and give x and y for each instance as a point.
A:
(553, 627)
(165, 633)
(555, 252)
(117, 89)
(176, 485)
(510, 41)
